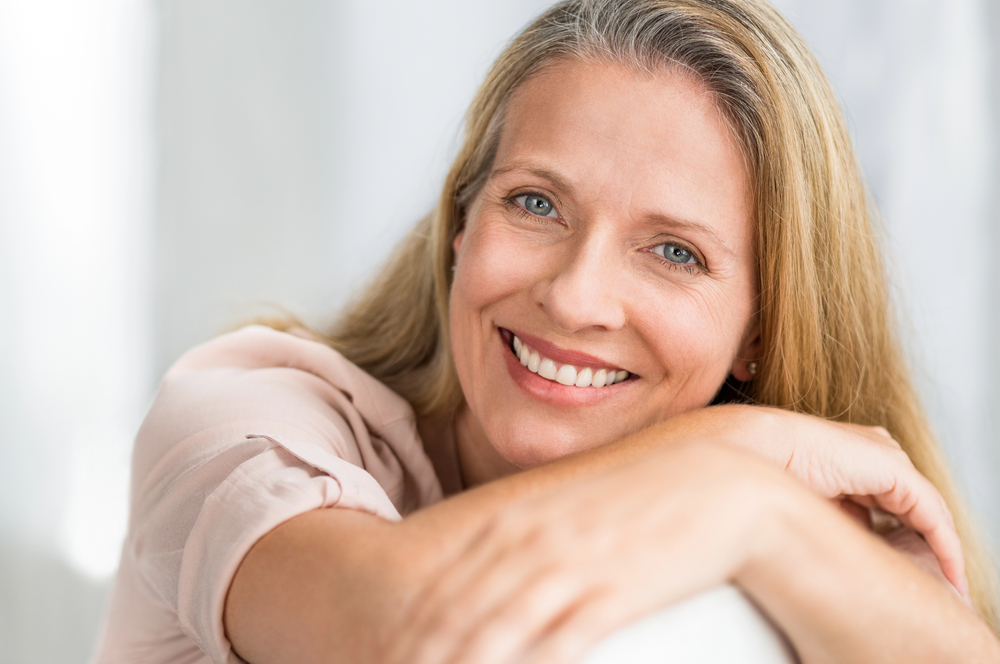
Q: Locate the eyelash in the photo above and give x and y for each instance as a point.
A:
(691, 268)
(510, 203)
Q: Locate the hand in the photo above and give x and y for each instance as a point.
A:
(914, 547)
(549, 577)
(899, 538)
(857, 463)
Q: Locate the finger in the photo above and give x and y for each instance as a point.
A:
(458, 606)
(415, 643)
(914, 547)
(436, 629)
(931, 518)
(508, 632)
(579, 631)
(944, 542)
(901, 490)
(863, 464)
(920, 507)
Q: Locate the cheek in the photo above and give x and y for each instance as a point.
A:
(494, 264)
(493, 270)
(696, 333)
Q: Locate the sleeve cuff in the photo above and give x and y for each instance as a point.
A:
(291, 477)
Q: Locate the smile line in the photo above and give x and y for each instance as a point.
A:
(564, 374)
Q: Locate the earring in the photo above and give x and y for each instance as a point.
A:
(752, 368)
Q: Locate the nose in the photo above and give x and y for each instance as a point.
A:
(583, 292)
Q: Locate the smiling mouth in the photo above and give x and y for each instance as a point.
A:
(564, 374)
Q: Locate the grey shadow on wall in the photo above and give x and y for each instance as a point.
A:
(49, 612)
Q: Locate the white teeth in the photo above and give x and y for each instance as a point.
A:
(533, 362)
(600, 377)
(566, 375)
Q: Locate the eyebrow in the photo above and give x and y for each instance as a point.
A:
(543, 173)
(674, 222)
(657, 218)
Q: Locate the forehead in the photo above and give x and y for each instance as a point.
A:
(627, 139)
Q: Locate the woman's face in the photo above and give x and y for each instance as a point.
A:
(613, 233)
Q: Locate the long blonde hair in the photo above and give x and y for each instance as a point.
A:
(830, 343)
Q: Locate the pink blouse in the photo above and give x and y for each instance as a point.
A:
(246, 432)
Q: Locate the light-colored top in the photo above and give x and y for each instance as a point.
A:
(246, 432)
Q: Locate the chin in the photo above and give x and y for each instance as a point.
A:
(530, 446)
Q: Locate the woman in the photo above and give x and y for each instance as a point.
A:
(656, 206)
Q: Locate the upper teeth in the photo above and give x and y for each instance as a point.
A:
(566, 374)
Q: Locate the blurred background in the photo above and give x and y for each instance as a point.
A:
(168, 169)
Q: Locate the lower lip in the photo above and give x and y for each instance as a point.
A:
(551, 391)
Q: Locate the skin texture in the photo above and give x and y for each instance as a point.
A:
(630, 163)
(345, 582)
(542, 557)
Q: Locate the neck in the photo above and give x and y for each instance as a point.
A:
(478, 459)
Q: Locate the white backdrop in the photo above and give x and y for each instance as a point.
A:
(75, 158)
(167, 168)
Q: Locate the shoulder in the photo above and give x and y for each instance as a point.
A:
(257, 353)
(257, 372)
(247, 431)
(288, 387)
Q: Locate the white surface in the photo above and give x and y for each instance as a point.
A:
(720, 626)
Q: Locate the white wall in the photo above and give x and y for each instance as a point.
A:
(75, 158)
(297, 141)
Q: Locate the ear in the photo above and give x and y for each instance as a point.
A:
(749, 351)
(456, 244)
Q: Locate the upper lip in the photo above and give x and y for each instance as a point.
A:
(562, 355)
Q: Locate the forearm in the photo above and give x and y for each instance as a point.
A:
(841, 594)
(337, 581)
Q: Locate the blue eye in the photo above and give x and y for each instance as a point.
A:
(675, 254)
(536, 204)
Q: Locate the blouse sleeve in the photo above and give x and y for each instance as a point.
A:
(247, 432)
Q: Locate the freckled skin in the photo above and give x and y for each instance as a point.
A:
(630, 162)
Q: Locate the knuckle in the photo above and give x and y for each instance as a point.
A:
(499, 632)
(883, 436)
(509, 524)
(902, 459)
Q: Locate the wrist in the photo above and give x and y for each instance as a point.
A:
(782, 519)
(754, 429)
